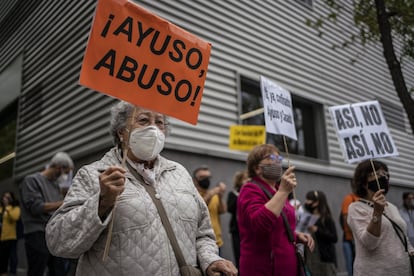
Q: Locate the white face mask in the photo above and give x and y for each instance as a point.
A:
(65, 180)
(62, 178)
(146, 143)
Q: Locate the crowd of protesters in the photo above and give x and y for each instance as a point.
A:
(111, 209)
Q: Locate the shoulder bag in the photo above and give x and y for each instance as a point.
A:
(185, 270)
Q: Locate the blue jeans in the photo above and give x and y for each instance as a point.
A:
(348, 248)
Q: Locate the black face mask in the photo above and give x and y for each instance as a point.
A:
(309, 207)
(204, 183)
(383, 183)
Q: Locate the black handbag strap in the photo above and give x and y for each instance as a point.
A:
(399, 232)
(164, 218)
(397, 228)
(285, 221)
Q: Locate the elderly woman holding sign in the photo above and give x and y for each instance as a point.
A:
(380, 234)
(266, 219)
(144, 218)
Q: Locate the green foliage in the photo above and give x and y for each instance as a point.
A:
(400, 15)
(396, 19)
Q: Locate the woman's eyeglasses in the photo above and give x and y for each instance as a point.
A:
(274, 157)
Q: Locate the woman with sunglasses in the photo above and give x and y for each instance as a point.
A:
(380, 234)
(264, 215)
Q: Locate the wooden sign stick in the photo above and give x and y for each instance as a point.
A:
(124, 156)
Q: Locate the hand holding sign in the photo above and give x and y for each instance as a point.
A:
(112, 184)
(288, 181)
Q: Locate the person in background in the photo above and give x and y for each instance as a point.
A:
(348, 246)
(378, 228)
(14, 258)
(265, 247)
(9, 215)
(112, 224)
(239, 179)
(40, 196)
(298, 208)
(213, 198)
(407, 213)
(323, 260)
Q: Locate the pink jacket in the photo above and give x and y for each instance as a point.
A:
(264, 245)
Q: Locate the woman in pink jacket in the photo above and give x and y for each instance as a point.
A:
(265, 246)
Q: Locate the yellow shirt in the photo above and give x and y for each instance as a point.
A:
(213, 208)
(10, 217)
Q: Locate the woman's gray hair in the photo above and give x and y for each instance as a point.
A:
(120, 112)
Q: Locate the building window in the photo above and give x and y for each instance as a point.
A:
(31, 106)
(308, 116)
(10, 87)
(307, 3)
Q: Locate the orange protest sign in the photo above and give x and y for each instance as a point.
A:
(141, 58)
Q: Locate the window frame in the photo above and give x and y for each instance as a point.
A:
(317, 109)
(306, 3)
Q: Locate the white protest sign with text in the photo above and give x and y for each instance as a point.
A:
(278, 112)
(362, 131)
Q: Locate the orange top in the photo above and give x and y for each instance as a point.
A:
(348, 199)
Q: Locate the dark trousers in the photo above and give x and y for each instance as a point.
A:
(5, 249)
(39, 257)
(236, 247)
(13, 258)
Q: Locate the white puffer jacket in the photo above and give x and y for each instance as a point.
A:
(140, 245)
